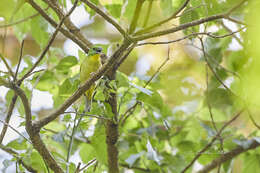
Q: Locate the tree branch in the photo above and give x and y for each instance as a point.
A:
(19, 159)
(71, 27)
(228, 156)
(192, 35)
(51, 40)
(106, 17)
(178, 28)
(20, 21)
(211, 142)
(134, 21)
(147, 17)
(174, 15)
(101, 71)
(7, 118)
(190, 24)
(7, 66)
(84, 44)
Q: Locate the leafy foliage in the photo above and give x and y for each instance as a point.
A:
(165, 117)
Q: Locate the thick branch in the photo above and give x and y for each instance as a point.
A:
(71, 27)
(83, 44)
(112, 151)
(51, 40)
(103, 70)
(228, 156)
(105, 16)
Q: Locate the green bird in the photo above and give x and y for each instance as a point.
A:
(90, 65)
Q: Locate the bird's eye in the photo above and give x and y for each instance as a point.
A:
(97, 49)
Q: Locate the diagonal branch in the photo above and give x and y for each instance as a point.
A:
(7, 118)
(68, 23)
(105, 16)
(51, 40)
(102, 71)
(190, 24)
(174, 15)
(33, 133)
(7, 66)
(192, 35)
(19, 159)
(84, 44)
(147, 17)
(228, 156)
(211, 142)
(178, 28)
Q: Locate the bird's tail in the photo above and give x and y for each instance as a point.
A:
(88, 102)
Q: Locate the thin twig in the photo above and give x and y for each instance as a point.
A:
(7, 118)
(51, 40)
(19, 159)
(16, 131)
(83, 43)
(88, 115)
(130, 110)
(236, 7)
(147, 17)
(235, 21)
(174, 15)
(183, 26)
(74, 129)
(105, 16)
(135, 18)
(211, 142)
(88, 164)
(7, 66)
(68, 23)
(136, 168)
(22, 20)
(192, 35)
(230, 31)
(213, 60)
(100, 72)
(253, 120)
(229, 156)
(19, 61)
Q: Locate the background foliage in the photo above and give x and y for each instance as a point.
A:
(167, 113)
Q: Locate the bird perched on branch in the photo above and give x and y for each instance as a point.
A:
(90, 65)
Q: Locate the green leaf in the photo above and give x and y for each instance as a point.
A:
(251, 163)
(129, 9)
(18, 144)
(69, 86)
(39, 28)
(189, 17)
(6, 8)
(87, 152)
(46, 81)
(114, 10)
(122, 79)
(154, 100)
(98, 142)
(66, 63)
(166, 6)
